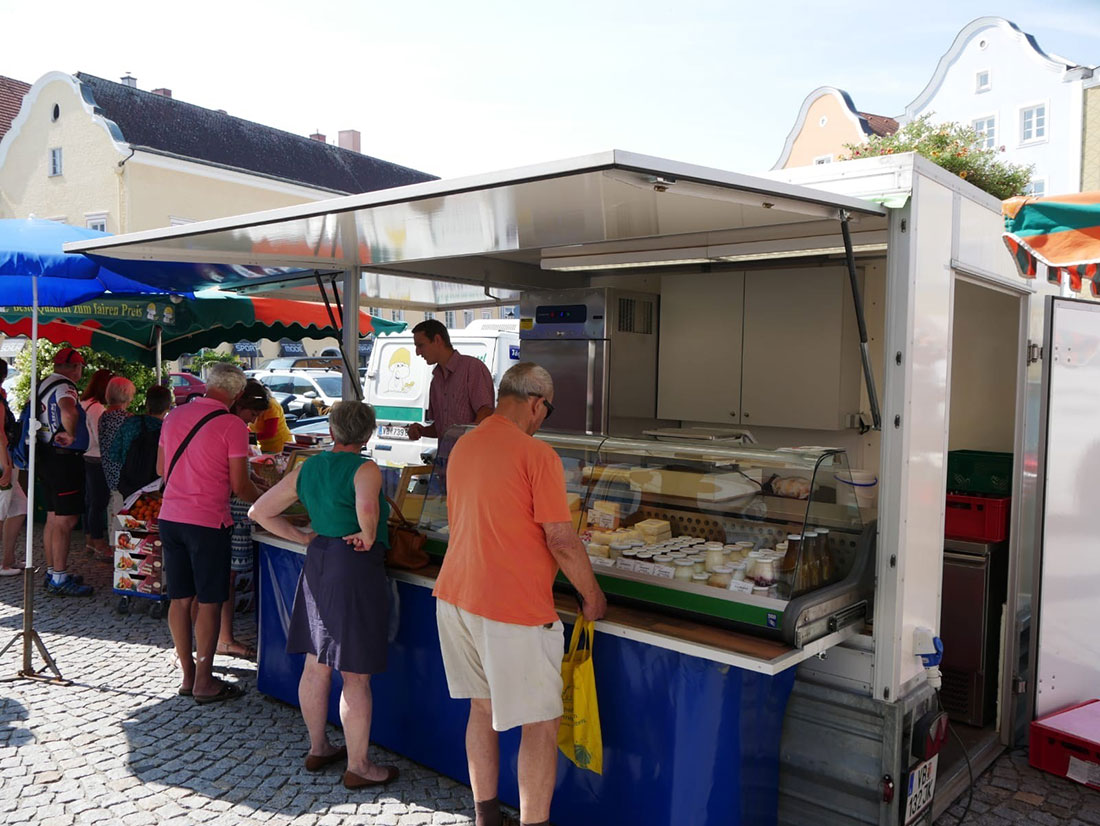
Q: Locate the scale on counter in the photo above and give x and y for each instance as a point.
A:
(725, 435)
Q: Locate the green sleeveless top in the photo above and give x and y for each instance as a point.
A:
(326, 486)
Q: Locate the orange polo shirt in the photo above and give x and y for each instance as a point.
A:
(502, 485)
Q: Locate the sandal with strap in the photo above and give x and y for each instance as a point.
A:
(228, 691)
(236, 649)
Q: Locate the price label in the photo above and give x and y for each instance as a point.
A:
(664, 572)
(644, 567)
(741, 586)
(625, 564)
(599, 519)
(602, 561)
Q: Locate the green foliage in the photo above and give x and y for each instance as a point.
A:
(956, 148)
(207, 356)
(142, 377)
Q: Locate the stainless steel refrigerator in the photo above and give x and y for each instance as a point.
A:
(600, 346)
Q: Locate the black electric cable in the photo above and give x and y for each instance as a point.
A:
(966, 757)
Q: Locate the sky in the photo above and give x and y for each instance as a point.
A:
(459, 87)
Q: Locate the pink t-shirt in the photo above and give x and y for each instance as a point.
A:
(198, 490)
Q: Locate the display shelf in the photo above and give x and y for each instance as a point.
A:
(745, 537)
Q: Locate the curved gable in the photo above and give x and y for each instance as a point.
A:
(843, 103)
(962, 39)
(79, 94)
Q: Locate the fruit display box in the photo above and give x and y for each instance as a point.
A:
(1067, 743)
(129, 582)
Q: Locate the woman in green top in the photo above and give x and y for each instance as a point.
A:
(341, 608)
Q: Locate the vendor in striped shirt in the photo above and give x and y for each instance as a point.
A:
(462, 387)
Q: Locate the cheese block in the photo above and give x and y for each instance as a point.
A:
(603, 520)
(574, 500)
(603, 506)
(602, 537)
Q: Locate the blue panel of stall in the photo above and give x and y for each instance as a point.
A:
(686, 740)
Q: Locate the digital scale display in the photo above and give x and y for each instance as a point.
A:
(561, 314)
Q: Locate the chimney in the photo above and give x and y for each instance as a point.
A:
(349, 139)
(128, 80)
(166, 93)
(317, 136)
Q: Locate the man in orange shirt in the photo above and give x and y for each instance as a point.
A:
(502, 642)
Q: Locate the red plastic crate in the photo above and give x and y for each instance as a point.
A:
(1067, 743)
(977, 518)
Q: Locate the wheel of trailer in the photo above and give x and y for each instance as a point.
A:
(124, 605)
(156, 610)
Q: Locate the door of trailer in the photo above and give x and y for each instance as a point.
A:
(1069, 475)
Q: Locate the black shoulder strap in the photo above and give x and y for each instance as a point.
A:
(187, 439)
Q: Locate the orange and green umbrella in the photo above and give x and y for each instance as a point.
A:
(1062, 233)
(128, 327)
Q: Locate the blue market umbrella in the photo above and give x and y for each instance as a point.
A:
(30, 251)
(34, 271)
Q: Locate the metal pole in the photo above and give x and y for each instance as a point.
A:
(864, 351)
(28, 635)
(160, 339)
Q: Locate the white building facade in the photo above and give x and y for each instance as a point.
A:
(997, 79)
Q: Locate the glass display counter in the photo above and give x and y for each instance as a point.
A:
(771, 540)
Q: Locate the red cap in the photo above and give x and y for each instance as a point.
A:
(68, 355)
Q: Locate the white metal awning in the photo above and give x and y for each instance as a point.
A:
(466, 241)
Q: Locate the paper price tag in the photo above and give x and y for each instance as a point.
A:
(644, 567)
(625, 564)
(602, 562)
(599, 519)
(741, 586)
(664, 572)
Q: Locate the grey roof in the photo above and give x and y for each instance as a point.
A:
(172, 127)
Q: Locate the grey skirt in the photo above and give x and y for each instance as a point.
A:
(341, 607)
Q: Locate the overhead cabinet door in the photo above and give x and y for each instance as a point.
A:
(699, 363)
(800, 357)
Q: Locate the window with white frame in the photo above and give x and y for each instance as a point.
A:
(1033, 123)
(375, 311)
(987, 132)
(397, 315)
(449, 319)
(1037, 187)
(428, 316)
(467, 317)
(96, 221)
(486, 313)
(55, 161)
(983, 81)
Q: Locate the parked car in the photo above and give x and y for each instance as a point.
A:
(313, 391)
(185, 386)
(308, 362)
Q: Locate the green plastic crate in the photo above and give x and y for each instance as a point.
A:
(979, 471)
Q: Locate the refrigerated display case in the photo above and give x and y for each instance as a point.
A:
(767, 540)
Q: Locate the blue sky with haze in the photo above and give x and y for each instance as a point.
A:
(457, 88)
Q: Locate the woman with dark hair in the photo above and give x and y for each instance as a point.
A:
(94, 402)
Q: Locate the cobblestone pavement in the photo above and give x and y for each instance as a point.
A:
(1011, 791)
(119, 746)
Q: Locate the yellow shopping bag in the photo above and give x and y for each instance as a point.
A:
(579, 736)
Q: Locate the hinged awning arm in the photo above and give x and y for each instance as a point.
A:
(857, 300)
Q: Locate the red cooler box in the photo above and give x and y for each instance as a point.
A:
(1067, 743)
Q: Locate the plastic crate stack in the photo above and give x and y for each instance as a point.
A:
(979, 497)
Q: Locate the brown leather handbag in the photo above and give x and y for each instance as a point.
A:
(406, 542)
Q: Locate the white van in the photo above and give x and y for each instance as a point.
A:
(397, 383)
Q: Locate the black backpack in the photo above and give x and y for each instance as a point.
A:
(11, 424)
(139, 468)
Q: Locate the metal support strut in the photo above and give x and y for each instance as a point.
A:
(857, 300)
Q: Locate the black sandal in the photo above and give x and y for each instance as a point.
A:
(228, 691)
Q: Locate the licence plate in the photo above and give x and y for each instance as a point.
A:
(921, 786)
(391, 431)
